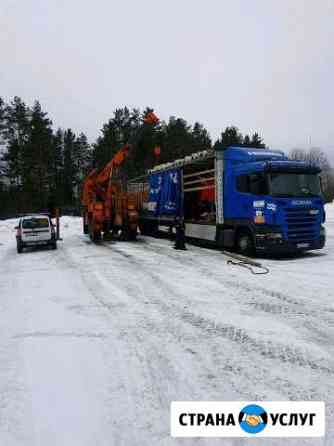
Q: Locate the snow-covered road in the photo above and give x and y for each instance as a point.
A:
(97, 340)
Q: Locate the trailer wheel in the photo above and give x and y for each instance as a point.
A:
(244, 243)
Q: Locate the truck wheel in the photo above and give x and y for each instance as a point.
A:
(19, 248)
(95, 236)
(84, 227)
(54, 245)
(148, 228)
(244, 243)
(143, 228)
(131, 235)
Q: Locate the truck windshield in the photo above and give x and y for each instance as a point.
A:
(295, 185)
(35, 223)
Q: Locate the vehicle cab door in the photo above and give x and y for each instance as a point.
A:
(250, 192)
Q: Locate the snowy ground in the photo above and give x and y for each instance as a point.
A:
(96, 340)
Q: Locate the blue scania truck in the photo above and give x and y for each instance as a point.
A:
(246, 199)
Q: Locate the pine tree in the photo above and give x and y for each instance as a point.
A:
(200, 138)
(257, 141)
(145, 137)
(247, 141)
(82, 162)
(37, 164)
(2, 121)
(229, 137)
(69, 167)
(15, 134)
(44, 168)
(57, 163)
(2, 140)
(177, 141)
(119, 130)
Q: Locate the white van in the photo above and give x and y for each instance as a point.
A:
(35, 230)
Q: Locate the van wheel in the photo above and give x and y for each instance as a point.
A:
(19, 248)
(54, 245)
(245, 244)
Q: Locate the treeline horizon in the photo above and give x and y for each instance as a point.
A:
(42, 168)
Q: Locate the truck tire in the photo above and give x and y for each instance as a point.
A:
(54, 245)
(130, 235)
(245, 243)
(19, 248)
(148, 228)
(84, 227)
(143, 228)
(95, 236)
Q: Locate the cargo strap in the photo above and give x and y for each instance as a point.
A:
(254, 267)
(262, 269)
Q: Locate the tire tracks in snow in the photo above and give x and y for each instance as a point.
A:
(238, 335)
(135, 353)
(285, 307)
(175, 307)
(263, 349)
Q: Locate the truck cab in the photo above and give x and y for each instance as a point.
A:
(271, 203)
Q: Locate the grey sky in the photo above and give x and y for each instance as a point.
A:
(264, 66)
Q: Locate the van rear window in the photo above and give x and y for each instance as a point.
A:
(35, 223)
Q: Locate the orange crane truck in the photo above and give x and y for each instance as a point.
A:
(107, 207)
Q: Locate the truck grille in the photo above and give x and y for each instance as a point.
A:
(302, 226)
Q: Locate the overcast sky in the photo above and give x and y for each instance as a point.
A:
(265, 66)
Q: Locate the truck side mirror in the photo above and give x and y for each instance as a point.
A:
(16, 227)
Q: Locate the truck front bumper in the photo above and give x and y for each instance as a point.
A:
(273, 242)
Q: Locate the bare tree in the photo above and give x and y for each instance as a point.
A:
(298, 154)
(318, 157)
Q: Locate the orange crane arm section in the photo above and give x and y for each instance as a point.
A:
(117, 160)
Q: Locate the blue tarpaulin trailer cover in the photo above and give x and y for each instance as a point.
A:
(165, 197)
